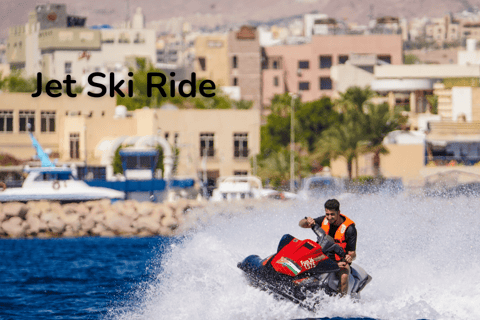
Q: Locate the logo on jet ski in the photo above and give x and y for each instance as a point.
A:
(290, 265)
(308, 264)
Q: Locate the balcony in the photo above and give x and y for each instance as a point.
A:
(207, 152)
(241, 154)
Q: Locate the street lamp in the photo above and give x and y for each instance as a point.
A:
(292, 136)
(292, 143)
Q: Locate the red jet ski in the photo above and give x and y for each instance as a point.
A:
(302, 268)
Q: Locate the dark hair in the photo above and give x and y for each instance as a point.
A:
(332, 204)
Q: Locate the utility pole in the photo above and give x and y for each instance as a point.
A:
(292, 143)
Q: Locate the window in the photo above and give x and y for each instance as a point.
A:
(235, 81)
(234, 62)
(325, 84)
(303, 64)
(304, 86)
(207, 145)
(385, 58)
(68, 67)
(166, 135)
(26, 116)
(240, 145)
(47, 121)
(342, 59)
(275, 64)
(240, 173)
(325, 62)
(6, 120)
(175, 140)
(275, 81)
(124, 38)
(139, 38)
(203, 63)
(74, 146)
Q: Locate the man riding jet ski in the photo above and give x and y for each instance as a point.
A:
(301, 268)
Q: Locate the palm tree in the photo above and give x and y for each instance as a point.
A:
(379, 122)
(346, 140)
(355, 97)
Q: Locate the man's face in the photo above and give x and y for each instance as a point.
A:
(331, 215)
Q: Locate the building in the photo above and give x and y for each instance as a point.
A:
(58, 45)
(211, 61)
(85, 130)
(307, 69)
(245, 57)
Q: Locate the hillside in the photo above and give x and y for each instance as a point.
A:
(234, 11)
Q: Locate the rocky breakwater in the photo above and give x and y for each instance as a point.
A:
(42, 219)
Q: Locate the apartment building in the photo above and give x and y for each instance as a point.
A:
(245, 56)
(307, 69)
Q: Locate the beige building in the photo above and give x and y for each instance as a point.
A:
(54, 44)
(446, 29)
(214, 142)
(212, 58)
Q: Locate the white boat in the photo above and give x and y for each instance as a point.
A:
(316, 187)
(245, 187)
(56, 184)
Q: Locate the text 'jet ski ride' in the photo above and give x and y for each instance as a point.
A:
(301, 268)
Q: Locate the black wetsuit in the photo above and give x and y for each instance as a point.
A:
(350, 235)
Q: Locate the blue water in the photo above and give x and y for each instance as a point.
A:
(420, 252)
(73, 278)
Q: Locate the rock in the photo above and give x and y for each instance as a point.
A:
(48, 216)
(121, 225)
(97, 209)
(88, 223)
(147, 223)
(57, 226)
(82, 210)
(56, 207)
(145, 208)
(15, 227)
(169, 222)
(42, 206)
(35, 225)
(73, 222)
(69, 232)
(15, 209)
(3, 216)
(98, 230)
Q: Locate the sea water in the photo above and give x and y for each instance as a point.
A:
(421, 253)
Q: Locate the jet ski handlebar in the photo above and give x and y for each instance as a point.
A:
(327, 243)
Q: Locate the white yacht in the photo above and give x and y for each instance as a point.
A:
(56, 184)
(245, 187)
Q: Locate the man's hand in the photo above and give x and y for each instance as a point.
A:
(310, 222)
(342, 264)
(348, 258)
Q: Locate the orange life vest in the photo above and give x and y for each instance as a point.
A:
(340, 233)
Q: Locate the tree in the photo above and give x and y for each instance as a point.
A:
(379, 122)
(346, 140)
(355, 97)
(140, 98)
(312, 118)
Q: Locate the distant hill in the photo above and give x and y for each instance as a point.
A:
(15, 12)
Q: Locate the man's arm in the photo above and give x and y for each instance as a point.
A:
(351, 238)
(307, 222)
